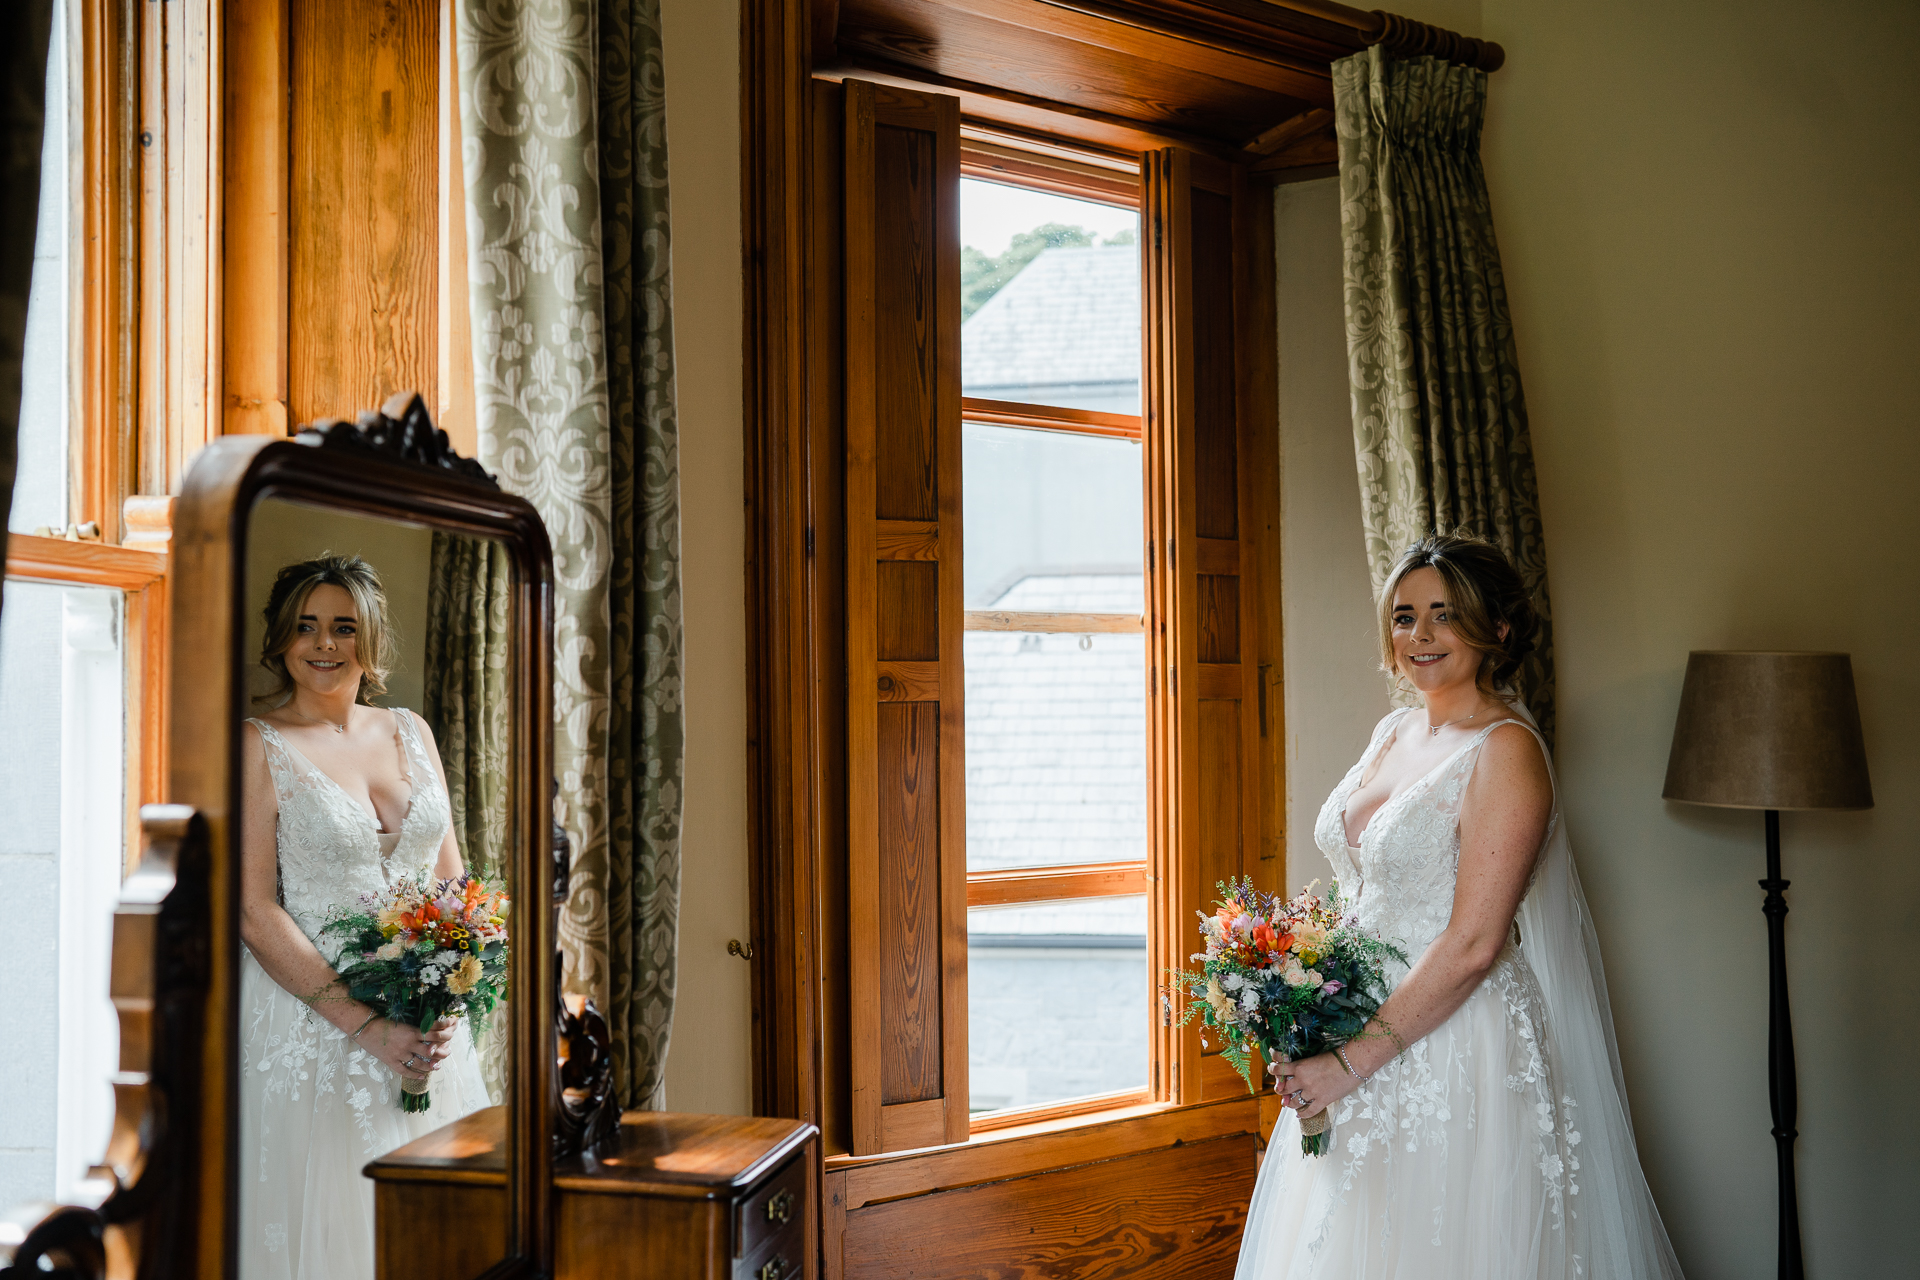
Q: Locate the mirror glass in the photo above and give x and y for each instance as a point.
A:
(375, 793)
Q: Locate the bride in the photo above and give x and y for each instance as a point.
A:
(341, 798)
(1480, 1127)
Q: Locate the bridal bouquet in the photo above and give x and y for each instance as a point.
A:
(1290, 979)
(425, 950)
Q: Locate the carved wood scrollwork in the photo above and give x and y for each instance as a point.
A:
(161, 933)
(400, 431)
(585, 1113)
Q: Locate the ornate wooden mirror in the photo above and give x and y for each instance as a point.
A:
(365, 558)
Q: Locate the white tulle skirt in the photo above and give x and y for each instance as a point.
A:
(1458, 1161)
(315, 1110)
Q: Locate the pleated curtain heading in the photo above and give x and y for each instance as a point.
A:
(1439, 418)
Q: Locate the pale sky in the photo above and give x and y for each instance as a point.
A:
(991, 214)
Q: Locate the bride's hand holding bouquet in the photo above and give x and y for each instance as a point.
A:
(422, 956)
(1289, 980)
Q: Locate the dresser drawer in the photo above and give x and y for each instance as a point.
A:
(777, 1207)
(779, 1257)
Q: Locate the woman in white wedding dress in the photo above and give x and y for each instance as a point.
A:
(341, 798)
(1480, 1127)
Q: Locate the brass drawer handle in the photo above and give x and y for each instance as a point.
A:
(773, 1270)
(780, 1208)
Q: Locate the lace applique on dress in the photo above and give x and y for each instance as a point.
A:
(1475, 1099)
(317, 1107)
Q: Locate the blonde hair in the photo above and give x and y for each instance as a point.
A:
(1483, 591)
(291, 587)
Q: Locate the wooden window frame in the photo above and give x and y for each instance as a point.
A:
(124, 67)
(797, 752)
(141, 577)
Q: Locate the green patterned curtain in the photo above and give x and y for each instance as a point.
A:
(647, 729)
(469, 590)
(564, 146)
(1439, 421)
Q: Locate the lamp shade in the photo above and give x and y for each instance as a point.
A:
(1769, 731)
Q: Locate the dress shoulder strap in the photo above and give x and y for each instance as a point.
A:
(280, 762)
(416, 749)
(1480, 740)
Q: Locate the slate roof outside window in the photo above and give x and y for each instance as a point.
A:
(1065, 331)
(1057, 732)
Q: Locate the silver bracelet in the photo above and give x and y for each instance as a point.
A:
(1341, 1053)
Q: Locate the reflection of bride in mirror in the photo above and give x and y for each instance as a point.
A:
(341, 798)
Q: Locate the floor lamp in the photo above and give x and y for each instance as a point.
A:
(1772, 731)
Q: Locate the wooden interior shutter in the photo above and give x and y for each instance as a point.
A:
(1212, 499)
(906, 820)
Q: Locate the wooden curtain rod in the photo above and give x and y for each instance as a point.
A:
(1403, 36)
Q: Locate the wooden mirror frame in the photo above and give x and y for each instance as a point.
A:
(173, 1162)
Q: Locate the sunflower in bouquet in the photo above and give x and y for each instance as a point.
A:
(424, 950)
(1285, 978)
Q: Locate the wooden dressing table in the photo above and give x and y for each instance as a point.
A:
(670, 1197)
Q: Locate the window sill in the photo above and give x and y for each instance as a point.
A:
(1038, 1147)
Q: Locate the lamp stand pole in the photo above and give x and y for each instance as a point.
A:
(1780, 1078)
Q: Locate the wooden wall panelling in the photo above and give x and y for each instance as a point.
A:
(254, 216)
(905, 790)
(1172, 1212)
(363, 281)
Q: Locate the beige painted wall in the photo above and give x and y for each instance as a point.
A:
(1334, 690)
(1707, 216)
(707, 1059)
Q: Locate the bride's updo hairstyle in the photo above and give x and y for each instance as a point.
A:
(1483, 591)
(292, 586)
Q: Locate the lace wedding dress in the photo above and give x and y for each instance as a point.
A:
(1498, 1147)
(316, 1108)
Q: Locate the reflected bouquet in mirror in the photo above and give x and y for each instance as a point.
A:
(1288, 978)
(423, 951)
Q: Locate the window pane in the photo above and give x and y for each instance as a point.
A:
(1047, 504)
(62, 763)
(1057, 1001)
(1050, 290)
(1056, 744)
(40, 489)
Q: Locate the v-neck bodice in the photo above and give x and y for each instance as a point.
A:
(331, 849)
(1400, 881)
